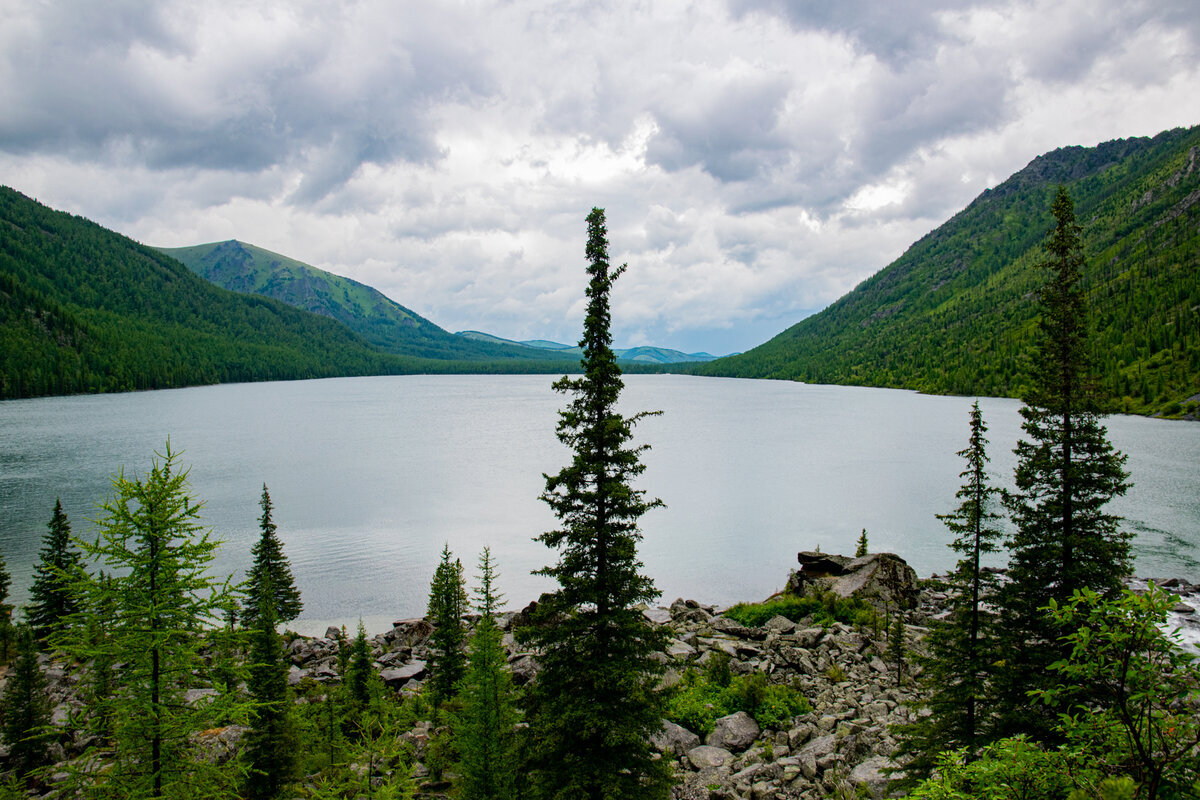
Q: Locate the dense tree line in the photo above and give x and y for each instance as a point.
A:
(952, 315)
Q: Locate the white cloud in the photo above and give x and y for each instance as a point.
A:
(757, 158)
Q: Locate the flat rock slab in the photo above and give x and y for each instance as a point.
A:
(394, 676)
(709, 757)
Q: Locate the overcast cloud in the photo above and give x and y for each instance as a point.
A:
(757, 158)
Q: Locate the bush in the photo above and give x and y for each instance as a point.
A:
(825, 608)
(698, 702)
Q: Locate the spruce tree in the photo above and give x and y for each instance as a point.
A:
(486, 723)
(447, 605)
(161, 595)
(272, 744)
(962, 648)
(270, 561)
(25, 708)
(594, 707)
(6, 632)
(1066, 473)
(52, 602)
(358, 670)
(860, 548)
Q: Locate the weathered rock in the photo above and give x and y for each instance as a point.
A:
(219, 745)
(659, 616)
(398, 676)
(871, 775)
(780, 624)
(680, 650)
(524, 668)
(194, 697)
(709, 757)
(675, 739)
(410, 632)
(734, 732)
(877, 577)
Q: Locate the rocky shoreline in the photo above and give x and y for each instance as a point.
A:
(842, 747)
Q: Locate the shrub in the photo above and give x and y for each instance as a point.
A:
(697, 703)
(824, 607)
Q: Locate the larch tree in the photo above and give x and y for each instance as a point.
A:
(485, 725)
(161, 596)
(1067, 471)
(270, 562)
(594, 705)
(962, 648)
(51, 599)
(447, 606)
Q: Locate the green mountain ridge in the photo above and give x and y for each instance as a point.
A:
(955, 313)
(378, 319)
(644, 354)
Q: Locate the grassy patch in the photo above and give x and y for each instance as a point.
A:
(825, 608)
(697, 702)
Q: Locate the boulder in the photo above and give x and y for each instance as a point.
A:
(709, 757)
(675, 739)
(883, 578)
(734, 732)
(524, 668)
(409, 632)
(398, 676)
(872, 776)
(219, 745)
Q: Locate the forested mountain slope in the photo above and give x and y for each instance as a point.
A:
(955, 313)
(376, 318)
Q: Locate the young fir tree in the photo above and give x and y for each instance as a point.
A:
(272, 744)
(447, 605)
(358, 670)
(962, 648)
(1066, 472)
(269, 561)
(25, 708)
(6, 632)
(51, 601)
(594, 706)
(161, 595)
(488, 717)
(860, 549)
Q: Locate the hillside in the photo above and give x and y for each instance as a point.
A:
(376, 318)
(955, 313)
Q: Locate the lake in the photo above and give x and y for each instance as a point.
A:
(370, 477)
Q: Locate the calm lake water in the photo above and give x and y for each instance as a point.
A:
(371, 476)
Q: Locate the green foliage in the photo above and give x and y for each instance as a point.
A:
(951, 315)
(486, 723)
(962, 649)
(51, 601)
(825, 608)
(1137, 689)
(596, 648)
(160, 594)
(1009, 769)
(25, 709)
(716, 671)
(860, 548)
(447, 606)
(271, 568)
(359, 671)
(1066, 473)
(272, 744)
(6, 632)
(698, 702)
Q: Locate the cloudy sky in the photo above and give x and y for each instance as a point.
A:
(757, 158)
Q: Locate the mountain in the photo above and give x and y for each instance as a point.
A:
(955, 314)
(630, 355)
(376, 318)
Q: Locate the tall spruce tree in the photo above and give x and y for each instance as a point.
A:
(1067, 471)
(6, 631)
(270, 561)
(486, 723)
(963, 647)
(594, 705)
(272, 744)
(447, 606)
(51, 599)
(161, 594)
(25, 708)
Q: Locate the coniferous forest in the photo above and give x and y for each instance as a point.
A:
(1053, 682)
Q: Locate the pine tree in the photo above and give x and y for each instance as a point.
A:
(861, 546)
(594, 706)
(269, 560)
(1066, 472)
(161, 594)
(486, 723)
(52, 602)
(447, 605)
(272, 744)
(25, 709)
(963, 647)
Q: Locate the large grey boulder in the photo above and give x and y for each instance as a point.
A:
(871, 775)
(709, 757)
(883, 578)
(398, 676)
(734, 732)
(675, 739)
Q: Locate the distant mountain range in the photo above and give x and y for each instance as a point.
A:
(955, 314)
(242, 267)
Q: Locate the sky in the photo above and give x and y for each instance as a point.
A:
(756, 159)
